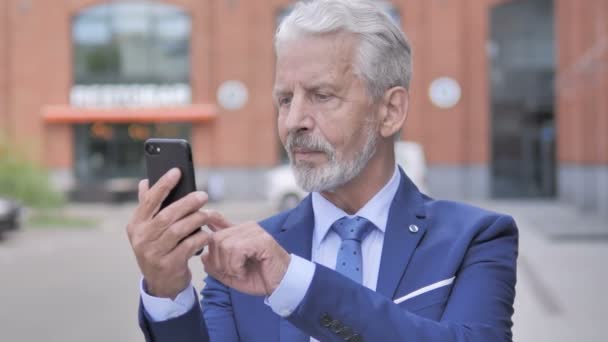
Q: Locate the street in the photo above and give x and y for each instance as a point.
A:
(82, 284)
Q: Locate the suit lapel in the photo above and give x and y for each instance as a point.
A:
(296, 234)
(296, 237)
(399, 241)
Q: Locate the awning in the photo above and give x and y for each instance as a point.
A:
(67, 114)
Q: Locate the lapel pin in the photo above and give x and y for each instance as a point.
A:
(414, 228)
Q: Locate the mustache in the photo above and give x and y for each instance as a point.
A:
(308, 141)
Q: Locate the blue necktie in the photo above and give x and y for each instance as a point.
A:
(352, 231)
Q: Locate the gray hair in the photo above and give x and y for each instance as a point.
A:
(384, 55)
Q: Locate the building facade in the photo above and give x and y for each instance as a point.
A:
(582, 104)
(506, 97)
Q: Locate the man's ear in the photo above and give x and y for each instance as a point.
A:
(394, 107)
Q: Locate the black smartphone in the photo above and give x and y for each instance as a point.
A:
(164, 154)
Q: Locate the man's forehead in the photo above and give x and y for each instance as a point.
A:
(332, 46)
(313, 63)
(324, 81)
(308, 78)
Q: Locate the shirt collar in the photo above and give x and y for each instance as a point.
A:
(375, 210)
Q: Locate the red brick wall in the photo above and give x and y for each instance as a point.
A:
(4, 68)
(228, 42)
(448, 39)
(233, 40)
(32, 52)
(582, 104)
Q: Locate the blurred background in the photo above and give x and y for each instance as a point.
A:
(508, 111)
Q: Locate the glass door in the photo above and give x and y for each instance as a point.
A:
(522, 77)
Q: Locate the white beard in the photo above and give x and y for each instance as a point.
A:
(337, 171)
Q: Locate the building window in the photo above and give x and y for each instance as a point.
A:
(131, 42)
(128, 54)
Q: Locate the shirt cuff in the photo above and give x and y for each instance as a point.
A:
(293, 287)
(163, 309)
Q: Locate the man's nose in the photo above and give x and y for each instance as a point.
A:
(299, 115)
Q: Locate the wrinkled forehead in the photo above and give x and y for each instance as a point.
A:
(315, 58)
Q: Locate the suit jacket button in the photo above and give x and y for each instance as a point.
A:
(356, 338)
(346, 333)
(336, 326)
(326, 320)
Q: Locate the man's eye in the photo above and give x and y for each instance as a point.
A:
(283, 101)
(321, 97)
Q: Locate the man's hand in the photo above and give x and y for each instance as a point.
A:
(161, 241)
(246, 258)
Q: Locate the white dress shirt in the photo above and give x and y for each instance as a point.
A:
(325, 244)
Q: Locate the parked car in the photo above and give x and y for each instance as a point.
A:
(9, 214)
(410, 156)
(283, 190)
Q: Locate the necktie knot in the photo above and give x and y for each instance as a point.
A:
(355, 228)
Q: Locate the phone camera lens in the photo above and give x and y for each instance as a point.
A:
(151, 149)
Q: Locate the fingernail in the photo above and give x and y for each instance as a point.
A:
(201, 195)
(174, 172)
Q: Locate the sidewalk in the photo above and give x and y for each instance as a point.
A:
(82, 284)
(562, 272)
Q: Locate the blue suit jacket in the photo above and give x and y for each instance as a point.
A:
(477, 247)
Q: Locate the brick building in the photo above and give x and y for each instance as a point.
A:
(507, 96)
